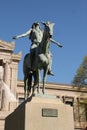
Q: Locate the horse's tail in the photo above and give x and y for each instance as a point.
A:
(26, 63)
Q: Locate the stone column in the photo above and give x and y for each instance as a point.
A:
(5, 102)
(13, 84)
(7, 72)
(0, 96)
(1, 80)
(76, 114)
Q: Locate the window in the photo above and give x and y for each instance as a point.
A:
(69, 103)
(68, 100)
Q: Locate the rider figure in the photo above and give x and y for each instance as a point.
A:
(35, 35)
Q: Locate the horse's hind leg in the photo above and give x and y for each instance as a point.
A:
(44, 80)
(25, 87)
(35, 82)
(29, 84)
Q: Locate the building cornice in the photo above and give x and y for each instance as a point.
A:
(16, 57)
(56, 86)
(6, 46)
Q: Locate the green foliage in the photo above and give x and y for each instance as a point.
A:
(80, 78)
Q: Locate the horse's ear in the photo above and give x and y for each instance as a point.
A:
(43, 23)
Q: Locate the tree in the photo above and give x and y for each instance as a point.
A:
(80, 78)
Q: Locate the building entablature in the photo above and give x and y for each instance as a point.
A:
(6, 52)
(6, 46)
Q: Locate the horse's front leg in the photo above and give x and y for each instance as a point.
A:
(25, 88)
(44, 80)
(38, 88)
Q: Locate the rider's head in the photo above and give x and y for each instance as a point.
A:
(35, 24)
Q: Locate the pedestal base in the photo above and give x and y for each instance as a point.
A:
(39, 113)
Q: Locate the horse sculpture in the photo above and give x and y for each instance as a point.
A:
(42, 62)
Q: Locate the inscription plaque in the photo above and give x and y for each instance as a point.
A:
(49, 112)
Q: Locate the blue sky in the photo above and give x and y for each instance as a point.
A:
(70, 18)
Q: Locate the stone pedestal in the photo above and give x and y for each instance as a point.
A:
(41, 113)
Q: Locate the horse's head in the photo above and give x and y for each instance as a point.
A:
(48, 28)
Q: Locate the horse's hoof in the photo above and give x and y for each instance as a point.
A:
(38, 91)
(43, 91)
(33, 94)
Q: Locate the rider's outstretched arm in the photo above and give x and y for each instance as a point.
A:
(22, 35)
(57, 43)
